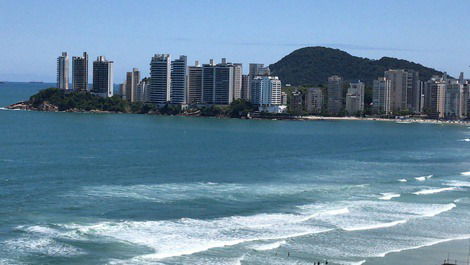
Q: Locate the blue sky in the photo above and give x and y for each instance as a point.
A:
(33, 33)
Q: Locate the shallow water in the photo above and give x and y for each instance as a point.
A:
(138, 189)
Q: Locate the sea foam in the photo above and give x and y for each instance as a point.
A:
(433, 191)
(269, 246)
(388, 196)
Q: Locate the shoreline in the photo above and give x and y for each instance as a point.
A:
(51, 108)
(432, 253)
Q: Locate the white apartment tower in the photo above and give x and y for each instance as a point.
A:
(266, 91)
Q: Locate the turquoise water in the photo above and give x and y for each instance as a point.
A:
(138, 189)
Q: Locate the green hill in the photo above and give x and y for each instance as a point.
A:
(313, 66)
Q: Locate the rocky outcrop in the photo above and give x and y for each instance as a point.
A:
(27, 106)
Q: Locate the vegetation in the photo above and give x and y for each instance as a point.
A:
(312, 66)
(84, 101)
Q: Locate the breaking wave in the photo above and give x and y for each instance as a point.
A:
(433, 191)
(388, 196)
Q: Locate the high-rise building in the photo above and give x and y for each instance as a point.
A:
(63, 71)
(284, 98)
(217, 83)
(453, 100)
(414, 93)
(398, 79)
(355, 98)
(237, 80)
(179, 75)
(103, 77)
(381, 95)
(160, 79)
(335, 95)
(223, 89)
(122, 90)
(194, 84)
(296, 102)
(266, 91)
(245, 94)
(142, 94)
(435, 97)
(314, 100)
(407, 91)
(254, 69)
(80, 72)
(132, 81)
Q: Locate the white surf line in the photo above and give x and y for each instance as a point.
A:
(375, 226)
(386, 196)
(439, 241)
(402, 180)
(433, 191)
(465, 173)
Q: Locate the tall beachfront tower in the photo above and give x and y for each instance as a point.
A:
(335, 95)
(132, 81)
(381, 96)
(194, 84)
(63, 71)
(103, 77)
(160, 79)
(179, 78)
(266, 91)
(355, 98)
(80, 72)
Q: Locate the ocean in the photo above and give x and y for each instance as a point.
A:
(78, 188)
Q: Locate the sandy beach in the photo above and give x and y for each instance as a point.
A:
(430, 255)
(423, 121)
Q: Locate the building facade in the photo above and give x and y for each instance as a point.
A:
(143, 88)
(179, 76)
(217, 83)
(266, 91)
(160, 79)
(453, 100)
(80, 72)
(435, 97)
(314, 100)
(132, 81)
(335, 95)
(381, 96)
(355, 98)
(237, 80)
(194, 84)
(102, 77)
(245, 93)
(63, 71)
